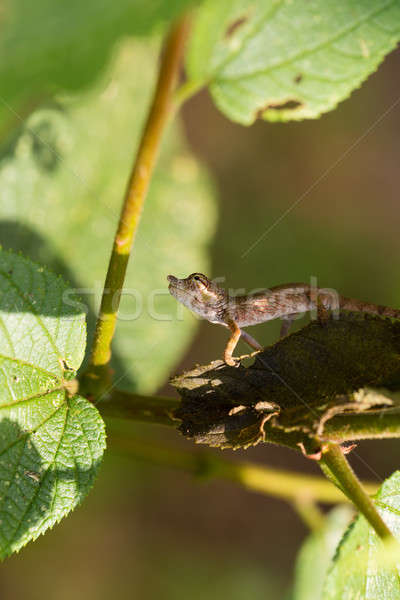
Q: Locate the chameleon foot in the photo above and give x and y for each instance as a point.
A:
(231, 361)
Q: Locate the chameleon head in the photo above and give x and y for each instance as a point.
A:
(198, 294)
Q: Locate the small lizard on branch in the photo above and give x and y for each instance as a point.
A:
(213, 303)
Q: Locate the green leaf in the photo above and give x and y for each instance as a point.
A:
(283, 60)
(51, 444)
(316, 554)
(61, 187)
(359, 568)
(47, 46)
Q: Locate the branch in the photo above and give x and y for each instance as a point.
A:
(310, 513)
(186, 91)
(343, 475)
(98, 376)
(158, 410)
(374, 424)
(297, 489)
(162, 410)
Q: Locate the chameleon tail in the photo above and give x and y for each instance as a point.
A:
(366, 307)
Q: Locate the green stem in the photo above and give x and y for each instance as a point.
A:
(373, 424)
(295, 488)
(186, 91)
(150, 409)
(384, 423)
(98, 375)
(310, 513)
(337, 465)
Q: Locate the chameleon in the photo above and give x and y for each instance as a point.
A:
(213, 303)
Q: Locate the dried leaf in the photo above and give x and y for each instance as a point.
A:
(294, 386)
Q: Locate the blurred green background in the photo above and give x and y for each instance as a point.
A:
(322, 199)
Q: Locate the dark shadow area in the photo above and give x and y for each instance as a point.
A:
(45, 143)
(303, 379)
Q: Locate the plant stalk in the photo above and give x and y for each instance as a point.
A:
(292, 487)
(343, 475)
(373, 424)
(186, 91)
(98, 372)
(157, 410)
(152, 409)
(310, 513)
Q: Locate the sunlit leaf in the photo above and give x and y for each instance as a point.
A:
(51, 441)
(288, 60)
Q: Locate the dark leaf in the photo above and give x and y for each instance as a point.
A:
(295, 386)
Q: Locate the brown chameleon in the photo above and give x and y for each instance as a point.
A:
(213, 303)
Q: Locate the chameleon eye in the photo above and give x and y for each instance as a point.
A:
(203, 281)
(200, 280)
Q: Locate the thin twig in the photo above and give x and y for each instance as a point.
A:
(160, 410)
(372, 424)
(309, 513)
(288, 486)
(98, 371)
(186, 91)
(343, 475)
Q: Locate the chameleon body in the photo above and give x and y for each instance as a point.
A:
(213, 303)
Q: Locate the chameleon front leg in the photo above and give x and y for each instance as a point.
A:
(232, 342)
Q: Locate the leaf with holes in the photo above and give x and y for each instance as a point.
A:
(361, 567)
(288, 60)
(51, 442)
